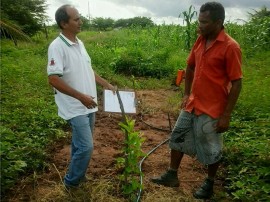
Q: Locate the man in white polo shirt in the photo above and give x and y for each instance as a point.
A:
(71, 75)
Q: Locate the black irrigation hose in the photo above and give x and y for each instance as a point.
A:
(161, 129)
(140, 166)
(150, 152)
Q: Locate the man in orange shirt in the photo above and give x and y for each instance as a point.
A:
(212, 87)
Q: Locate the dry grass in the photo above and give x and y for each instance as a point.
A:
(107, 190)
(156, 193)
(97, 190)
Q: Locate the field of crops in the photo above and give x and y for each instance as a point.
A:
(134, 58)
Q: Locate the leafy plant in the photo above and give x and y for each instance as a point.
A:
(129, 163)
(12, 31)
(247, 142)
(138, 64)
(189, 32)
(29, 122)
(29, 15)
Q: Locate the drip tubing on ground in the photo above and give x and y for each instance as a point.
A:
(150, 152)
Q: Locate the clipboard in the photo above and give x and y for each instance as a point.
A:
(111, 103)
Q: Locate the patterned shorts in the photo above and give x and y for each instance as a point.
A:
(196, 136)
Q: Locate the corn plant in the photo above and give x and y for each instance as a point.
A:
(188, 16)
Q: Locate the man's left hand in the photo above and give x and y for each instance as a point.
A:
(223, 124)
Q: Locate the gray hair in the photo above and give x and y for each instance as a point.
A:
(61, 15)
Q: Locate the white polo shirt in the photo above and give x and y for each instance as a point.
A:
(72, 63)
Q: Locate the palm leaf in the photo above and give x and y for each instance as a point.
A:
(11, 31)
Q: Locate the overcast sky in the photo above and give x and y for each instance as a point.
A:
(160, 11)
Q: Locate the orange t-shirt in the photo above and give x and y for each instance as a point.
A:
(215, 68)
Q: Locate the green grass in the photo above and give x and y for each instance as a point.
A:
(255, 94)
(247, 154)
(28, 114)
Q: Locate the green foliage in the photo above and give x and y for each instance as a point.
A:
(249, 39)
(132, 154)
(134, 22)
(189, 30)
(86, 23)
(248, 180)
(102, 23)
(246, 155)
(134, 62)
(134, 52)
(264, 12)
(10, 30)
(27, 14)
(258, 41)
(11, 165)
(29, 122)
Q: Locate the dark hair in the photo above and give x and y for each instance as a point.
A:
(61, 15)
(216, 10)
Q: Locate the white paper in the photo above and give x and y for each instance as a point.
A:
(111, 103)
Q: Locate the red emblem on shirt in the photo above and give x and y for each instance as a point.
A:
(52, 62)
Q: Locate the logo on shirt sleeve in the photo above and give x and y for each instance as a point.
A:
(52, 63)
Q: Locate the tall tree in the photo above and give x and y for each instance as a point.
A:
(102, 23)
(136, 21)
(86, 23)
(141, 21)
(27, 15)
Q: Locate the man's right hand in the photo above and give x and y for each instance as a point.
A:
(88, 101)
